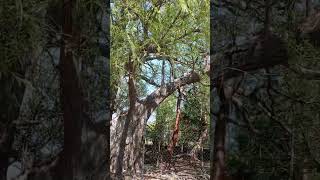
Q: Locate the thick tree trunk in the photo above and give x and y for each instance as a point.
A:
(127, 131)
(129, 118)
(218, 165)
(127, 142)
(219, 172)
(71, 99)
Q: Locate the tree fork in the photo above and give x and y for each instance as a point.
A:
(141, 114)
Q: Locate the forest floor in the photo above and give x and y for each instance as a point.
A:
(184, 169)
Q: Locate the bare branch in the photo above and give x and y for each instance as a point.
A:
(148, 80)
(156, 97)
(272, 117)
(306, 73)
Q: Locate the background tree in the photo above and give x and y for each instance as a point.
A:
(267, 137)
(31, 38)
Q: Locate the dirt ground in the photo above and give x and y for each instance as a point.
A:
(184, 169)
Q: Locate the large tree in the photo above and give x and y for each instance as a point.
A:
(147, 35)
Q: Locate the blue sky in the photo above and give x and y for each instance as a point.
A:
(151, 88)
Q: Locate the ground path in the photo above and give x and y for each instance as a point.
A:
(184, 169)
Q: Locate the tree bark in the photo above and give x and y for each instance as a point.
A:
(127, 131)
(175, 134)
(129, 118)
(71, 100)
(267, 21)
(307, 7)
(199, 144)
(218, 165)
(219, 172)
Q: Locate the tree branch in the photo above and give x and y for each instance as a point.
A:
(157, 57)
(306, 73)
(148, 80)
(272, 117)
(156, 97)
(131, 83)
